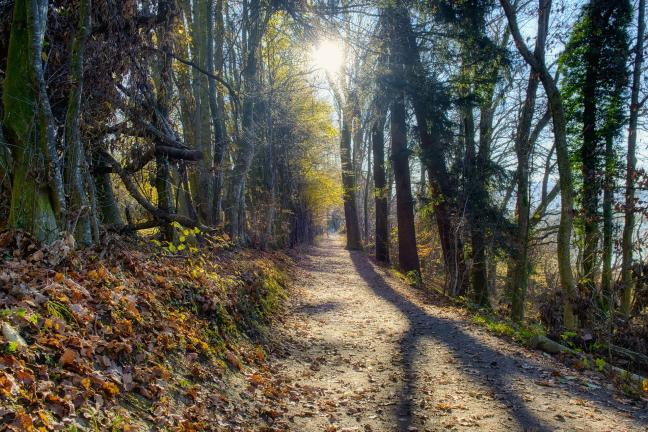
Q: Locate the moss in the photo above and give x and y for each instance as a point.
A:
(31, 208)
(31, 204)
(215, 339)
(273, 283)
(261, 298)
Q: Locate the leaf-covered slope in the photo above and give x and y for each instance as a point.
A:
(127, 336)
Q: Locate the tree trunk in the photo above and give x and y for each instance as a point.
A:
(537, 63)
(164, 193)
(566, 203)
(474, 206)
(365, 198)
(629, 222)
(491, 269)
(418, 89)
(608, 198)
(184, 203)
(357, 134)
(380, 190)
(520, 261)
(80, 212)
(202, 180)
(247, 142)
(482, 179)
(408, 260)
(215, 36)
(422, 187)
(165, 90)
(456, 282)
(6, 163)
(349, 182)
(37, 199)
(591, 156)
(107, 204)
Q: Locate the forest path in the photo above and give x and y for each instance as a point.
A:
(362, 351)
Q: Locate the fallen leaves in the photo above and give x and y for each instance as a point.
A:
(68, 358)
(83, 334)
(255, 379)
(8, 385)
(233, 360)
(443, 406)
(110, 388)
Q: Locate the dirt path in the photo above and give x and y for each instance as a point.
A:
(363, 352)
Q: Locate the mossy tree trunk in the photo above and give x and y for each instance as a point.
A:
(5, 162)
(202, 179)
(37, 200)
(107, 206)
(524, 141)
(76, 168)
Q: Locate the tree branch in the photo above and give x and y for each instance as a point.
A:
(148, 206)
(218, 78)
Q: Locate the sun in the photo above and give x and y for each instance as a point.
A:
(328, 56)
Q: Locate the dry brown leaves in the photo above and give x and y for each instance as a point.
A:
(121, 337)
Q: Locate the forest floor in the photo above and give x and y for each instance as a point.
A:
(361, 351)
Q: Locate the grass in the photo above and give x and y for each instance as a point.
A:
(519, 332)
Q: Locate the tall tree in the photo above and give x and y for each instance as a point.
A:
(78, 182)
(354, 241)
(380, 189)
(519, 275)
(164, 96)
(408, 260)
(255, 23)
(631, 166)
(536, 61)
(429, 104)
(38, 198)
(202, 179)
(214, 63)
(595, 70)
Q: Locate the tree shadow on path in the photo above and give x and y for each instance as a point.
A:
(497, 376)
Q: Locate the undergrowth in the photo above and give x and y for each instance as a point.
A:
(520, 332)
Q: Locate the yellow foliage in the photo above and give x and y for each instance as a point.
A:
(309, 115)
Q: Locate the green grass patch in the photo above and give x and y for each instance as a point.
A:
(519, 332)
